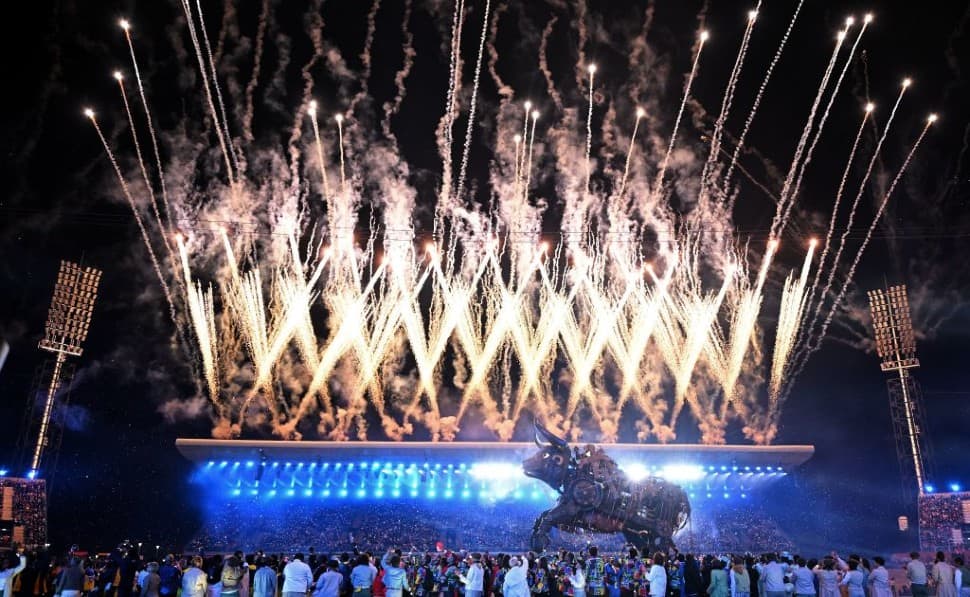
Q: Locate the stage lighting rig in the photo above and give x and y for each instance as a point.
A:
(67, 325)
(896, 347)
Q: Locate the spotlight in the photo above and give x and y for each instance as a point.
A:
(955, 487)
(930, 489)
(4, 472)
(32, 473)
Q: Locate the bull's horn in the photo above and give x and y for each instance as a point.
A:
(544, 436)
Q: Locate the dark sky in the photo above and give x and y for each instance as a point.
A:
(119, 474)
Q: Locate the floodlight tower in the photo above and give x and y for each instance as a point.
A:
(66, 328)
(896, 346)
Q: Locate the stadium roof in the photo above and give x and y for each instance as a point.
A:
(205, 450)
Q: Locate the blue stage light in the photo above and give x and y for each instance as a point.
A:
(325, 493)
(727, 496)
(431, 494)
(744, 496)
(342, 493)
(535, 495)
(414, 493)
(723, 468)
(709, 495)
(930, 489)
(290, 492)
(361, 493)
(272, 492)
(275, 464)
(250, 464)
(396, 493)
(757, 468)
(449, 493)
(211, 463)
(236, 464)
(770, 469)
(253, 492)
(734, 468)
(224, 463)
(747, 468)
(4, 472)
(379, 493)
(308, 492)
(465, 494)
(32, 474)
(236, 492)
(955, 487)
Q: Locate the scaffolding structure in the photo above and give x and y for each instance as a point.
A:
(66, 329)
(896, 347)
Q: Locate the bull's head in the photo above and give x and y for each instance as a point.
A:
(551, 464)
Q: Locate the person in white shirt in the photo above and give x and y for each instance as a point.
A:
(195, 583)
(475, 578)
(578, 581)
(879, 579)
(916, 573)
(14, 567)
(773, 576)
(516, 582)
(961, 577)
(657, 577)
(803, 579)
(396, 577)
(297, 578)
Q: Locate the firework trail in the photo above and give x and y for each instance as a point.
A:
(813, 341)
(626, 165)
(474, 101)
(825, 115)
(401, 76)
(726, 102)
(141, 162)
(658, 186)
(126, 27)
(134, 210)
(786, 198)
(858, 256)
(589, 124)
(759, 96)
(190, 20)
(828, 236)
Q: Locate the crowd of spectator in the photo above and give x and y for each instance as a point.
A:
(442, 572)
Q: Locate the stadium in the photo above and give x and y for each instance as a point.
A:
(348, 495)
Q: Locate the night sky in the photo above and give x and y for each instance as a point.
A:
(119, 475)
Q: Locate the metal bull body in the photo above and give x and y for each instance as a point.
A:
(595, 495)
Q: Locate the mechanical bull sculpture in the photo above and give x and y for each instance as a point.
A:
(595, 495)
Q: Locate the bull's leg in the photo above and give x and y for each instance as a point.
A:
(544, 524)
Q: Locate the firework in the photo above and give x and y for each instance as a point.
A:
(309, 328)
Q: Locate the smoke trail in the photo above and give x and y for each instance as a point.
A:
(544, 64)
(247, 118)
(365, 57)
(759, 96)
(446, 124)
(401, 76)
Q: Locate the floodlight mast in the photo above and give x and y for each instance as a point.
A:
(66, 329)
(896, 346)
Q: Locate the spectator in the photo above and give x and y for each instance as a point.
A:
(961, 577)
(879, 579)
(853, 580)
(71, 581)
(195, 583)
(773, 577)
(474, 580)
(916, 573)
(297, 578)
(740, 579)
(657, 578)
(516, 582)
(944, 577)
(362, 577)
(264, 582)
(330, 582)
(151, 582)
(803, 579)
(232, 577)
(719, 581)
(169, 577)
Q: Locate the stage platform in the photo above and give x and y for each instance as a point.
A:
(465, 470)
